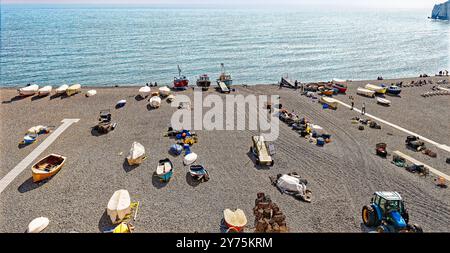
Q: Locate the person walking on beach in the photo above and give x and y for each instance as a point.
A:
(363, 109)
(352, 102)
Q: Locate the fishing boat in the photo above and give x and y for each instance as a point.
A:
(91, 93)
(155, 101)
(144, 91)
(137, 154)
(44, 91)
(204, 82)
(62, 89)
(73, 89)
(393, 90)
(164, 170)
(234, 221)
(38, 224)
(365, 92)
(164, 91)
(376, 88)
(47, 167)
(340, 85)
(224, 77)
(38, 130)
(331, 102)
(327, 92)
(198, 172)
(383, 101)
(28, 90)
(119, 205)
(180, 82)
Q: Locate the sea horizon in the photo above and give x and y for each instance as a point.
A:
(133, 45)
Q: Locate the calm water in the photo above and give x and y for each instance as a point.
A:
(133, 46)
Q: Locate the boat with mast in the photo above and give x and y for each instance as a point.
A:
(180, 82)
(224, 77)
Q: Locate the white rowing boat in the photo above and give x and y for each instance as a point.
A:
(144, 91)
(365, 92)
(29, 90)
(383, 101)
(44, 91)
(62, 89)
(119, 206)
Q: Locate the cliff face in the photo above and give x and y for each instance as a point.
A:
(441, 11)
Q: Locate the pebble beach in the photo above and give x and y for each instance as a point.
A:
(342, 175)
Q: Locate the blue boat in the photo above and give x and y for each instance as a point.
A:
(164, 170)
(29, 138)
(394, 90)
(198, 172)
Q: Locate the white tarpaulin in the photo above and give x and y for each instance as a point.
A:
(291, 183)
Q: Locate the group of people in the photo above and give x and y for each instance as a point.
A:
(443, 73)
(151, 85)
(352, 102)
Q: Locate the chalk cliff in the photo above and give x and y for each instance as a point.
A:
(441, 11)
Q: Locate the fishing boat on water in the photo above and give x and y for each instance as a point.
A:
(204, 82)
(47, 167)
(224, 77)
(180, 82)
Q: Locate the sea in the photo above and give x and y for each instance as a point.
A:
(100, 46)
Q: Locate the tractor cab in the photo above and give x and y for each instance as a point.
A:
(388, 213)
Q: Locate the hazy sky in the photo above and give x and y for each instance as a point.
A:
(258, 3)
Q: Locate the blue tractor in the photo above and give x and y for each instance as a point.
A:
(387, 213)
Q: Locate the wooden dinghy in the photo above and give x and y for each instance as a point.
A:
(144, 91)
(164, 91)
(119, 205)
(365, 92)
(235, 220)
(73, 89)
(38, 224)
(47, 167)
(44, 91)
(331, 102)
(376, 88)
(62, 89)
(383, 101)
(155, 102)
(28, 90)
(164, 170)
(137, 154)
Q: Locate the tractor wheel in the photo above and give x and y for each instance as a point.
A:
(257, 162)
(369, 216)
(416, 228)
(382, 229)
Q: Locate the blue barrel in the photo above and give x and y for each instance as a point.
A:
(325, 106)
(187, 149)
(320, 141)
